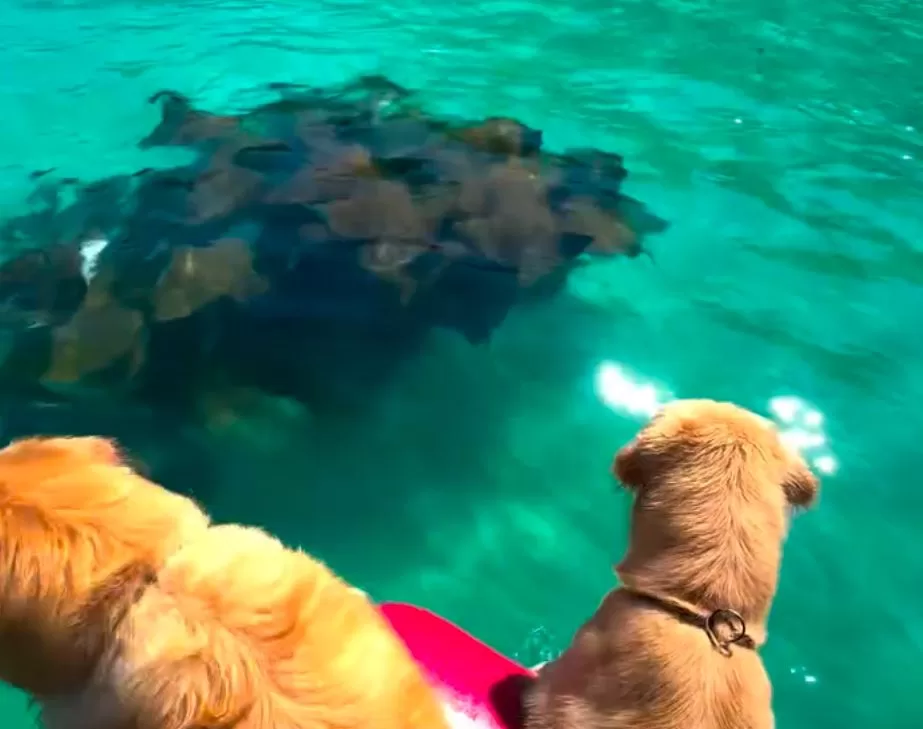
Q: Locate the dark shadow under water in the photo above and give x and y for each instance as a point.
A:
(308, 253)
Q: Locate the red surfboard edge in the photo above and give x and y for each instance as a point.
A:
(474, 677)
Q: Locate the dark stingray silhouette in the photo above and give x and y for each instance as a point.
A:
(307, 249)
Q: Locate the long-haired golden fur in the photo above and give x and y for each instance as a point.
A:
(122, 608)
(713, 488)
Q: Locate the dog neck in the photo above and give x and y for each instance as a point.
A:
(695, 610)
(725, 628)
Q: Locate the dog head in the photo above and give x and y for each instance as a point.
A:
(80, 532)
(714, 485)
(713, 438)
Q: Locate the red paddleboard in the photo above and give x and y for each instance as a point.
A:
(472, 677)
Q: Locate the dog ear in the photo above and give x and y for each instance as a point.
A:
(799, 484)
(627, 465)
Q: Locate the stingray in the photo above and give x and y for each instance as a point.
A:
(45, 203)
(334, 175)
(510, 219)
(358, 103)
(191, 197)
(371, 95)
(220, 190)
(384, 215)
(182, 125)
(377, 209)
(639, 217)
(322, 213)
(198, 276)
(42, 285)
(585, 224)
(100, 332)
(399, 140)
(266, 157)
(503, 136)
(591, 172)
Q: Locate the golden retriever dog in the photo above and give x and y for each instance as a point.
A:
(676, 645)
(122, 608)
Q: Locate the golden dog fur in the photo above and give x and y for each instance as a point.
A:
(122, 608)
(713, 487)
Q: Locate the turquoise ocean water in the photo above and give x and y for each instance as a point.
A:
(782, 141)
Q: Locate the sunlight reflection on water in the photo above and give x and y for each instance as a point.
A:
(801, 424)
(461, 714)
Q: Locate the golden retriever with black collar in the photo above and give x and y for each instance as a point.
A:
(676, 645)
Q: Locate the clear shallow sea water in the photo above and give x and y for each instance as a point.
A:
(782, 141)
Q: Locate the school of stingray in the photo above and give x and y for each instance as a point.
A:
(307, 249)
